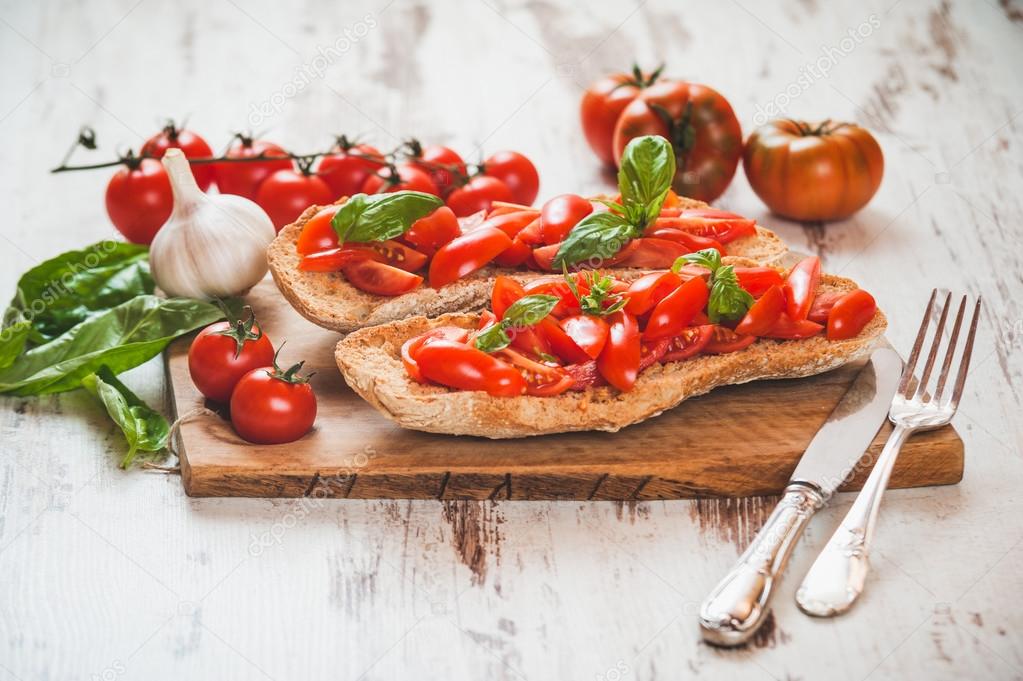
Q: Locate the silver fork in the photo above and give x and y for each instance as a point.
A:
(836, 578)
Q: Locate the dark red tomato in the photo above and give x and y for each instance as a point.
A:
(763, 314)
(380, 279)
(822, 304)
(702, 127)
(692, 242)
(193, 146)
(461, 366)
(677, 310)
(139, 201)
(789, 329)
(410, 348)
(756, 280)
(542, 380)
(478, 194)
(619, 360)
(560, 343)
(224, 352)
(649, 290)
(318, 232)
(436, 229)
(506, 291)
(466, 254)
(558, 287)
(604, 102)
(517, 172)
(403, 177)
(588, 332)
(651, 352)
(271, 407)
(286, 193)
(720, 225)
(244, 178)
(801, 287)
(690, 342)
(346, 170)
(654, 254)
(851, 313)
(515, 255)
(445, 166)
(723, 340)
(559, 215)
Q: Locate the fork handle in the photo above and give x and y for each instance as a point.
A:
(836, 578)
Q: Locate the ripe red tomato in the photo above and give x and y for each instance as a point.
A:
(477, 195)
(461, 366)
(346, 170)
(517, 172)
(688, 343)
(619, 360)
(436, 229)
(318, 233)
(723, 340)
(560, 343)
(244, 178)
(506, 291)
(403, 177)
(410, 348)
(389, 252)
(701, 126)
(851, 313)
(649, 290)
(380, 279)
(654, 253)
(272, 407)
(763, 314)
(560, 214)
(466, 254)
(171, 137)
(677, 309)
(445, 167)
(692, 242)
(139, 200)
(823, 302)
(542, 380)
(588, 332)
(801, 287)
(286, 193)
(557, 286)
(604, 102)
(788, 328)
(756, 280)
(720, 225)
(224, 352)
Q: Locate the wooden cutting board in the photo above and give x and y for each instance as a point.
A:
(736, 441)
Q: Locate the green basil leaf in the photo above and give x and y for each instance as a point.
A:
(598, 236)
(728, 301)
(645, 174)
(67, 289)
(12, 342)
(122, 337)
(492, 339)
(528, 310)
(145, 429)
(708, 257)
(382, 216)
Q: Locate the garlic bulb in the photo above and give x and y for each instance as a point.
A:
(213, 245)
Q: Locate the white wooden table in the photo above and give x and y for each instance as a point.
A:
(106, 574)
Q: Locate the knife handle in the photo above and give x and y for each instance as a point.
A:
(740, 602)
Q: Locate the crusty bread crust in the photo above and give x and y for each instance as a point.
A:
(370, 361)
(328, 300)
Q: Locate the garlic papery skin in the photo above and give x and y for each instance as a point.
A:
(213, 245)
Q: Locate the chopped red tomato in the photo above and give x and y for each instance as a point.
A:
(558, 287)
(821, 307)
(559, 215)
(516, 254)
(720, 225)
(763, 314)
(851, 314)
(619, 360)
(801, 287)
(588, 332)
(787, 328)
(511, 223)
(585, 375)
(380, 279)
(318, 233)
(654, 254)
(651, 352)
(560, 343)
(466, 254)
(531, 234)
(506, 291)
(436, 229)
(542, 380)
(461, 366)
(676, 311)
(756, 280)
(487, 318)
(411, 347)
(331, 260)
(694, 242)
(386, 252)
(724, 340)
(544, 256)
(649, 289)
(688, 343)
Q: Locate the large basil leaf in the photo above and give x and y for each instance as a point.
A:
(382, 216)
(645, 175)
(145, 429)
(597, 236)
(12, 342)
(121, 338)
(63, 291)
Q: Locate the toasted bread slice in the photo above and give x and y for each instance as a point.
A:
(371, 364)
(328, 300)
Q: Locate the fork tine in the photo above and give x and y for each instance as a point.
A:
(921, 387)
(965, 362)
(950, 353)
(907, 373)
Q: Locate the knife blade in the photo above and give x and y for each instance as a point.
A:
(740, 602)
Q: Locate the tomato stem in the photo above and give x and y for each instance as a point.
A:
(291, 374)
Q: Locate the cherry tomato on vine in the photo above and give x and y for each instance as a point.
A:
(517, 172)
(193, 146)
(445, 167)
(345, 170)
(244, 179)
(139, 200)
(287, 193)
(560, 214)
(403, 177)
(270, 406)
(224, 352)
(477, 195)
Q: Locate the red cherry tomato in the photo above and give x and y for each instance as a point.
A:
(652, 254)
(478, 194)
(464, 367)
(403, 177)
(560, 343)
(270, 407)
(588, 332)
(756, 280)
(822, 305)
(723, 340)
(511, 223)
(410, 348)
(244, 178)
(692, 242)
(651, 352)
(390, 253)
(139, 201)
(649, 290)
(559, 215)
(619, 360)
(517, 172)
(801, 287)
(542, 380)
(506, 291)
(763, 314)
(193, 146)
(380, 279)
(436, 229)
(788, 328)
(444, 165)
(677, 310)
(688, 343)
(851, 313)
(719, 225)
(544, 256)
(466, 254)
(557, 286)
(223, 352)
(603, 103)
(515, 255)
(286, 193)
(318, 233)
(346, 170)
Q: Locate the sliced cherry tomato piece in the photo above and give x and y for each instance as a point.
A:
(694, 242)
(585, 375)
(649, 290)
(588, 332)
(436, 229)
(560, 343)
(487, 318)
(511, 223)
(516, 254)
(506, 291)
(332, 260)
(559, 215)
(654, 254)
(720, 225)
(542, 380)
(851, 313)
(529, 339)
(787, 328)
(557, 286)
(619, 360)
(676, 311)
(318, 233)
(651, 352)
(756, 280)
(822, 305)
(531, 233)
(801, 287)
(395, 254)
(461, 366)
(380, 279)
(410, 348)
(466, 254)
(500, 207)
(544, 256)
(763, 314)
(688, 343)
(724, 340)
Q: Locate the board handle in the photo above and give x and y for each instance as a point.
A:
(738, 605)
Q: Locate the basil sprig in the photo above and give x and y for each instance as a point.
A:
(728, 300)
(523, 313)
(379, 217)
(644, 178)
(144, 429)
(599, 301)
